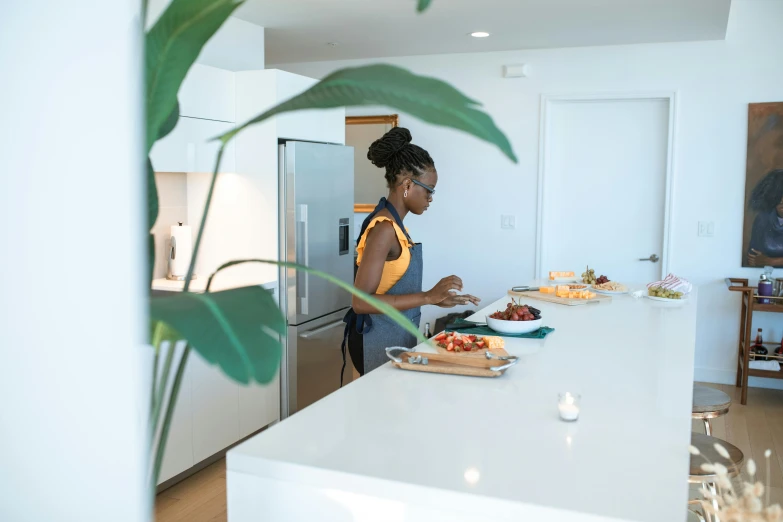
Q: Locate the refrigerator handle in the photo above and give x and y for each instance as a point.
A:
(302, 218)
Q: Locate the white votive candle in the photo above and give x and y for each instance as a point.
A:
(568, 405)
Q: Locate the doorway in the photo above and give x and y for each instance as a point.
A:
(605, 185)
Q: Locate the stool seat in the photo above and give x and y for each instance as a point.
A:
(706, 445)
(710, 401)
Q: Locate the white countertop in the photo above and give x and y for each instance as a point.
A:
(200, 284)
(423, 439)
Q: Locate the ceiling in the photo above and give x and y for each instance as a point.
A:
(300, 30)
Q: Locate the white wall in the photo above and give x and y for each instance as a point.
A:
(237, 46)
(714, 82)
(72, 315)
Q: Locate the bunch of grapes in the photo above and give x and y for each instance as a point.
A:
(588, 277)
(659, 291)
(601, 280)
(516, 312)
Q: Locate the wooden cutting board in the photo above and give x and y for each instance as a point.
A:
(474, 364)
(551, 298)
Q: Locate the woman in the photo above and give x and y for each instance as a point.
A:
(766, 237)
(389, 262)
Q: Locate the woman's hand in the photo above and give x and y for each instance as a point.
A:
(454, 300)
(443, 290)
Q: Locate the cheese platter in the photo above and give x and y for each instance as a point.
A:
(565, 296)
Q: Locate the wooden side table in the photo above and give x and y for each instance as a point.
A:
(751, 304)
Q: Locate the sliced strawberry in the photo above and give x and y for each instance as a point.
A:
(459, 342)
(468, 347)
(440, 337)
(450, 347)
(480, 345)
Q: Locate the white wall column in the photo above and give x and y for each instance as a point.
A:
(72, 420)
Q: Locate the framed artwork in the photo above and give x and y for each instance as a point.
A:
(369, 182)
(762, 242)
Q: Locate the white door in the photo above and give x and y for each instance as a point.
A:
(604, 182)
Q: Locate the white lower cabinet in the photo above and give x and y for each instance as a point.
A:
(212, 413)
(215, 409)
(179, 449)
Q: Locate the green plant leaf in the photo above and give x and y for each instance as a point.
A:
(161, 332)
(171, 47)
(388, 310)
(423, 5)
(170, 122)
(236, 329)
(428, 99)
(152, 196)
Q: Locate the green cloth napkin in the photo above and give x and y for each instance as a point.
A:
(486, 330)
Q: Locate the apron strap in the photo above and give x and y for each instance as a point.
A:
(363, 325)
(383, 204)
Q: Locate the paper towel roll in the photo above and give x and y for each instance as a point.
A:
(182, 250)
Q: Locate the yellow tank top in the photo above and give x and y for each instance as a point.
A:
(392, 270)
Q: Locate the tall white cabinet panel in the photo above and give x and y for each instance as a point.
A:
(208, 93)
(326, 126)
(215, 409)
(179, 449)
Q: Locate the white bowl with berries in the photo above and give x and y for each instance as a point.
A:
(515, 319)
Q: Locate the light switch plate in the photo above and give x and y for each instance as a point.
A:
(508, 221)
(706, 229)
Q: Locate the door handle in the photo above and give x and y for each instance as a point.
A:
(322, 329)
(653, 258)
(303, 299)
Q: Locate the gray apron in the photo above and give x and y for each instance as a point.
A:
(385, 332)
(373, 333)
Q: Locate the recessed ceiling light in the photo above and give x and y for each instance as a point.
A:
(479, 34)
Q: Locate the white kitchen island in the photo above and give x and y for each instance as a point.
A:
(410, 446)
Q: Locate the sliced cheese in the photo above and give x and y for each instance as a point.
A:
(562, 291)
(547, 289)
(556, 275)
(493, 342)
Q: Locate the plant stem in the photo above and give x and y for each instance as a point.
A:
(161, 390)
(144, 4)
(155, 361)
(204, 218)
(164, 433)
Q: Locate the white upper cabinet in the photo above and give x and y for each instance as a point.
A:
(257, 91)
(190, 147)
(208, 93)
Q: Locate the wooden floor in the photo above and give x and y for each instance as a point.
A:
(753, 428)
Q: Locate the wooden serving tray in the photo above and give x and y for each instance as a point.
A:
(551, 298)
(473, 364)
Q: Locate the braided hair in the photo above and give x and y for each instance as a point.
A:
(768, 193)
(395, 152)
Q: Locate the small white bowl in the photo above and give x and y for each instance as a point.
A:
(513, 327)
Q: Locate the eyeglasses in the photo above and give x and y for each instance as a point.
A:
(429, 189)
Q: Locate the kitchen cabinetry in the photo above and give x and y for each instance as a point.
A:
(208, 93)
(190, 147)
(213, 412)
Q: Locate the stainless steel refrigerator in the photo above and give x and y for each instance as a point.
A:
(316, 215)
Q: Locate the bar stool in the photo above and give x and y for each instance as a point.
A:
(709, 403)
(706, 446)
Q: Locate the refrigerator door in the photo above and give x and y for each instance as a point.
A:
(315, 347)
(318, 184)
